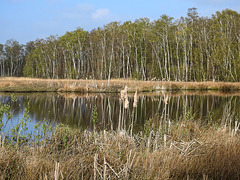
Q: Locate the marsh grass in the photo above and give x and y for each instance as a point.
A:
(186, 150)
(15, 84)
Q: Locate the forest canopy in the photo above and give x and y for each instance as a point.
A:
(190, 48)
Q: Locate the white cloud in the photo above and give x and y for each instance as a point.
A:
(85, 7)
(86, 11)
(70, 17)
(79, 11)
(100, 13)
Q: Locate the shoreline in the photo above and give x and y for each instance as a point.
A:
(22, 84)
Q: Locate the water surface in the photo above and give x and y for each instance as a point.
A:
(75, 110)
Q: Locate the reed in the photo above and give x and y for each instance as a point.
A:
(114, 85)
(186, 150)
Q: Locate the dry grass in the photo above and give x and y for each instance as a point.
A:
(188, 150)
(115, 85)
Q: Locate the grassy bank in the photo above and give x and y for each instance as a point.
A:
(185, 150)
(114, 85)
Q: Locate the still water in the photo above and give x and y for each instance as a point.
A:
(75, 110)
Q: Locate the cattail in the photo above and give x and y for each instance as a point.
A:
(166, 99)
(126, 103)
(124, 96)
(135, 100)
(123, 93)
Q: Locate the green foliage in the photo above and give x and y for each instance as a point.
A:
(187, 114)
(4, 109)
(63, 134)
(18, 134)
(190, 48)
(42, 132)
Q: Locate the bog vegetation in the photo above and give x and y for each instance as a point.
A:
(22, 84)
(186, 149)
(190, 48)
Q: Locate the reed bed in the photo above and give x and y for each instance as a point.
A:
(14, 84)
(163, 150)
(186, 150)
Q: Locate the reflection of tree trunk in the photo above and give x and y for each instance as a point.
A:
(141, 114)
(200, 108)
(75, 111)
(177, 109)
(80, 114)
(110, 113)
(207, 104)
(123, 116)
(165, 115)
(120, 115)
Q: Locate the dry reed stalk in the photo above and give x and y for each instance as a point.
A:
(105, 168)
(165, 140)
(207, 152)
(166, 99)
(57, 174)
(135, 100)
(123, 99)
(34, 84)
(95, 166)
(126, 103)
(122, 95)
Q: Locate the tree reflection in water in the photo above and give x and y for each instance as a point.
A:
(75, 109)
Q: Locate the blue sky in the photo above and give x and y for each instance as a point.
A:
(26, 20)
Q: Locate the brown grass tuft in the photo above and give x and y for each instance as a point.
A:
(189, 150)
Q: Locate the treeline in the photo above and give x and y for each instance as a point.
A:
(191, 48)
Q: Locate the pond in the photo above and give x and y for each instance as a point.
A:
(75, 110)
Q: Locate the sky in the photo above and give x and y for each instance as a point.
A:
(27, 20)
